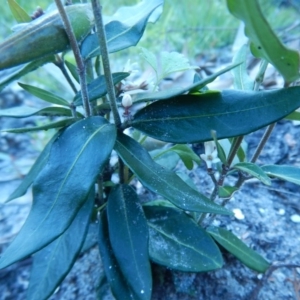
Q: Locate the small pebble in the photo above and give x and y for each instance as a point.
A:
(295, 218)
(238, 214)
(216, 222)
(281, 211)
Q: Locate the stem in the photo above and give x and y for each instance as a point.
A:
(220, 182)
(73, 110)
(61, 65)
(214, 180)
(105, 61)
(121, 171)
(213, 194)
(79, 61)
(237, 142)
(262, 142)
(260, 75)
(234, 149)
(99, 209)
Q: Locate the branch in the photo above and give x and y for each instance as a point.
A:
(79, 61)
(105, 61)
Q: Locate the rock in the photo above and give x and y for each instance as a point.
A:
(295, 218)
(238, 214)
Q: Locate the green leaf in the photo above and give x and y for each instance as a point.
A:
(241, 79)
(167, 159)
(170, 62)
(149, 57)
(97, 88)
(61, 188)
(195, 87)
(102, 109)
(26, 111)
(44, 36)
(44, 95)
(159, 202)
(18, 12)
(294, 116)
(162, 181)
(177, 242)
(128, 233)
(186, 154)
(25, 70)
(190, 118)
(34, 171)
(221, 152)
(264, 42)
(228, 144)
(284, 172)
(152, 96)
(122, 30)
(58, 111)
(57, 124)
(253, 170)
(73, 70)
(241, 251)
(118, 284)
(226, 191)
(53, 263)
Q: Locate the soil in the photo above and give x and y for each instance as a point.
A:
(270, 226)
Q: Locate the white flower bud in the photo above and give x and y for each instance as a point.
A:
(126, 100)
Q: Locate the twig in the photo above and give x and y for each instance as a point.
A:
(79, 61)
(258, 81)
(234, 149)
(59, 62)
(262, 142)
(105, 61)
(237, 143)
(213, 196)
